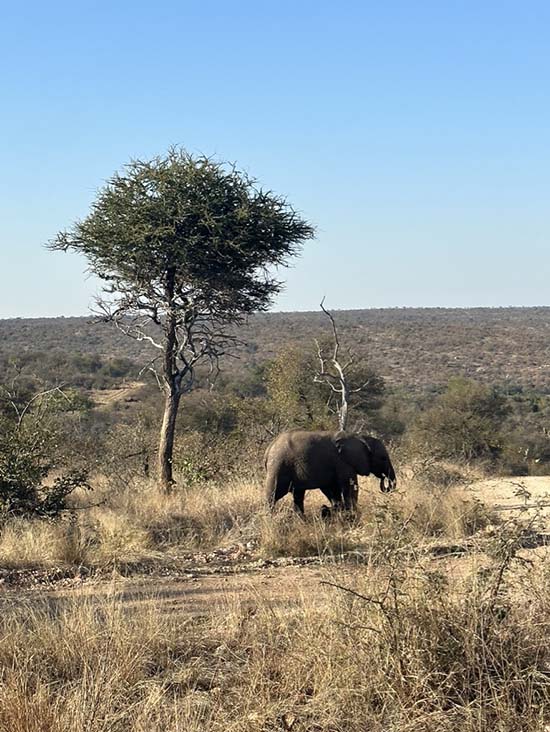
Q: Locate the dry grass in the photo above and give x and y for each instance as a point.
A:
(86, 666)
(398, 650)
(286, 534)
(399, 645)
(202, 517)
(139, 524)
(38, 543)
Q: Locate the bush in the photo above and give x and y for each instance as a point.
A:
(29, 452)
(25, 462)
(464, 423)
(295, 400)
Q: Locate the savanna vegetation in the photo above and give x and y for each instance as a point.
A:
(397, 639)
(416, 348)
(431, 610)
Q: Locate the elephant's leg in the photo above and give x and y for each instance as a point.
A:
(334, 495)
(336, 503)
(354, 495)
(350, 494)
(298, 495)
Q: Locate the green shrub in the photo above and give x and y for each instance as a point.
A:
(30, 451)
(26, 459)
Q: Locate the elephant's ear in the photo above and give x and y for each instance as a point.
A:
(340, 439)
(375, 446)
(354, 451)
(369, 442)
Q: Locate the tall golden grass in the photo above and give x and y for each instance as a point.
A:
(395, 648)
(402, 643)
(138, 523)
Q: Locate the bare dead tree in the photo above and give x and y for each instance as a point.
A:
(335, 373)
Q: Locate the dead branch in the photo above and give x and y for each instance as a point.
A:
(335, 379)
(39, 395)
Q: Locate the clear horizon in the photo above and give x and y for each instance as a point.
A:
(414, 137)
(308, 312)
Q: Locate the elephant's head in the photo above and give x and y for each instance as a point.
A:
(367, 455)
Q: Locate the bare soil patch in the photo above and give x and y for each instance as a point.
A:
(527, 493)
(106, 398)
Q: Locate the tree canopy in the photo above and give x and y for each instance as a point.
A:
(193, 223)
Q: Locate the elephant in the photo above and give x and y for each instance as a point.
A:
(297, 461)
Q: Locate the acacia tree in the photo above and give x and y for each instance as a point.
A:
(186, 246)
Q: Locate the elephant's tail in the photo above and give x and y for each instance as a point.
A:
(271, 489)
(278, 482)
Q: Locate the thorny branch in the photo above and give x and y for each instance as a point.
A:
(22, 410)
(189, 334)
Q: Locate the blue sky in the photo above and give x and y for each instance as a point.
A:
(415, 135)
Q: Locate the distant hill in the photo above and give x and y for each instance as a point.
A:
(416, 348)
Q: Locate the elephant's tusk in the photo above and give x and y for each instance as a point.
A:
(386, 487)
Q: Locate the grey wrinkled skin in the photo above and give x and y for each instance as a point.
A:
(297, 461)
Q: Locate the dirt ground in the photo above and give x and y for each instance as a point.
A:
(105, 398)
(523, 494)
(204, 590)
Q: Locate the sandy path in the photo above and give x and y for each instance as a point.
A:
(203, 595)
(521, 494)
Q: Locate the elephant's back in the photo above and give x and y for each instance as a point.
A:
(298, 449)
(299, 440)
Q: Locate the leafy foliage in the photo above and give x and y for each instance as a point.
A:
(205, 223)
(29, 452)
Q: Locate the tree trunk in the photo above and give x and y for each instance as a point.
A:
(343, 410)
(166, 446)
(173, 394)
